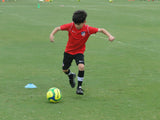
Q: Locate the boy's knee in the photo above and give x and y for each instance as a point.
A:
(65, 71)
(81, 67)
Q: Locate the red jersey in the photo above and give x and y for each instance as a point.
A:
(77, 37)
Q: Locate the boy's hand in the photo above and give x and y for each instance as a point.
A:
(51, 38)
(53, 33)
(111, 38)
(104, 31)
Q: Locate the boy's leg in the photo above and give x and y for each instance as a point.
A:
(80, 62)
(80, 79)
(80, 74)
(67, 60)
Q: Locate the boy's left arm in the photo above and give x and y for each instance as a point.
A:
(104, 31)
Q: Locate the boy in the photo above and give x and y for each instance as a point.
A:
(78, 33)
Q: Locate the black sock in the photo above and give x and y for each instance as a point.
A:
(69, 73)
(80, 78)
(79, 83)
(80, 73)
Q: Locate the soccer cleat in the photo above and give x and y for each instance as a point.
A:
(79, 91)
(72, 80)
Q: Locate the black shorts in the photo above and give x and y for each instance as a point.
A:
(68, 58)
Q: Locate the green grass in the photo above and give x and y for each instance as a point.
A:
(121, 78)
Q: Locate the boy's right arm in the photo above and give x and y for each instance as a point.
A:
(53, 33)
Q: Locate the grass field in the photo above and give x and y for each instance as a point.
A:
(122, 78)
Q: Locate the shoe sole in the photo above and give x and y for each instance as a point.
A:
(79, 93)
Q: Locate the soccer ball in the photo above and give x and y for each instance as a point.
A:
(54, 95)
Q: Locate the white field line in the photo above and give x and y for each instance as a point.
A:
(30, 20)
(130, 45)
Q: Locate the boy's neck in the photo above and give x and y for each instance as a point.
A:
(79, 26)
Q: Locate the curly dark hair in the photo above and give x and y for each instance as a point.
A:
(79, 16)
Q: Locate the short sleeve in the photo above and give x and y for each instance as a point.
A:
(92, 30)
(66, 26)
